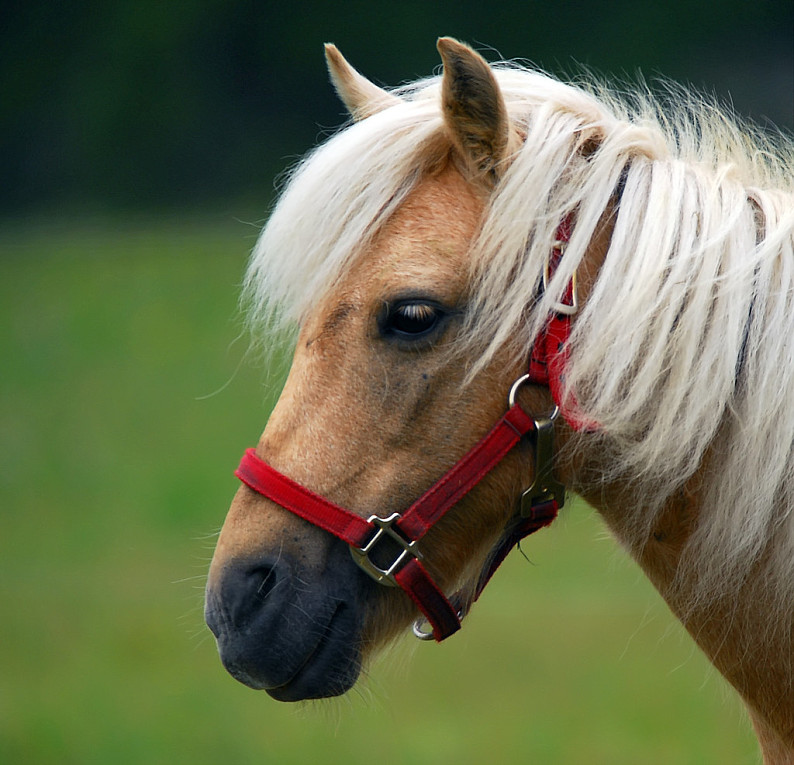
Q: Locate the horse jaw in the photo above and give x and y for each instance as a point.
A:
(361, 97)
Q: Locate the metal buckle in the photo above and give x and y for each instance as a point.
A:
(361, 555)
(568, 309)
(545, 487)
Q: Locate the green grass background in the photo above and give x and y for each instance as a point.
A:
(126, 400)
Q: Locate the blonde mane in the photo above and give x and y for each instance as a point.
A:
(685, 347)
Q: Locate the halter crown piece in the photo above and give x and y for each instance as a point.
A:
(539, 503)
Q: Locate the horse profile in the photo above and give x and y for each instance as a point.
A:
(622, 270)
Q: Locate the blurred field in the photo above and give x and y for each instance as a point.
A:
(125, 403)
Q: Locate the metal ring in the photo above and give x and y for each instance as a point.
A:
(419, 632)
(511, 398)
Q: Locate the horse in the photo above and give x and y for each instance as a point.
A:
(501, 286)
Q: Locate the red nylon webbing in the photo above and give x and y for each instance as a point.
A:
(549, 356)
(542, 515)
(267, 481)
(427, 510)
(466, 473)
(350, 528)
(442, 615)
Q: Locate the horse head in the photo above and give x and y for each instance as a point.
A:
(378, 404)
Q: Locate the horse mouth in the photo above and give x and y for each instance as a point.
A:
(331, 669)
(283, 663)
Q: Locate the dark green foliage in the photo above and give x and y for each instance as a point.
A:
(145, 104)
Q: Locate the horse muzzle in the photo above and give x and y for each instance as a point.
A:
(287, 628)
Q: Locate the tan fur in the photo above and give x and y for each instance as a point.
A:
(735, 632)
(474, 111)
(412, 418)
(361, 97)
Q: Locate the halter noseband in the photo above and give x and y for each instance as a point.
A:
(539, 503)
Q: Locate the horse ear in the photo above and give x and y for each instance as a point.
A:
(474, 110)
(361, 97)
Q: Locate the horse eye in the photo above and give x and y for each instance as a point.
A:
(411, 319)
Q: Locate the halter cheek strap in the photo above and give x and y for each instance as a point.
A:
(549, 357)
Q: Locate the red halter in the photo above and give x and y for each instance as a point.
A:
(539, 503)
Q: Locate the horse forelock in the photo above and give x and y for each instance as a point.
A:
(688, 333)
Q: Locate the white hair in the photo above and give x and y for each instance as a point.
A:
(684, 349)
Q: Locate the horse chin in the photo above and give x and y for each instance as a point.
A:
(280, 630)
(329, 672)
(331, 667)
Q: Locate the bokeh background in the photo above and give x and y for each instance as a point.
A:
(140, 143)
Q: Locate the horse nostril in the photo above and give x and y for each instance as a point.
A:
(244, 591)
(263, 579)
(287, 627)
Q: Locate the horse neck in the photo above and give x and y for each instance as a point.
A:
(746, 623)
(737, 632)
